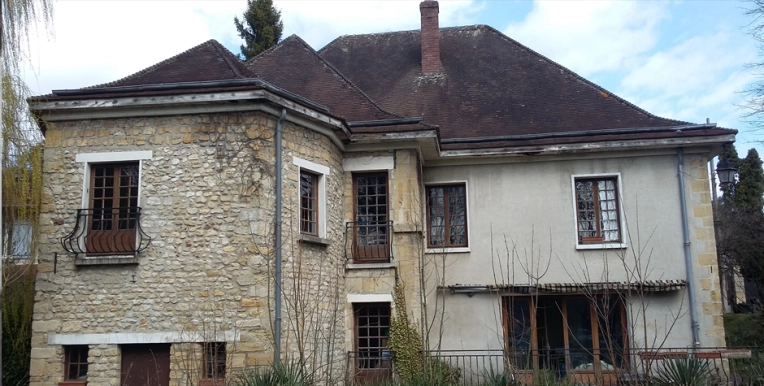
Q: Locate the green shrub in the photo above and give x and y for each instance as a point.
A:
(685, 372)
(287, 374)
(18, 306)
(549, 378)
(496, 377)
(743, 330)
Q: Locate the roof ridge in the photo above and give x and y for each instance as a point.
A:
(227, 55)
(396, 32)
(340, 74)
(579, 77)
(152, 67)
(269, 50)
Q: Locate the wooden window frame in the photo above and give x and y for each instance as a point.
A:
(598, 238)
(212, 361)
(314, 187)
(114, 241)
(446, 217)
(73, 355)
(374, 253)
(507, 317)
(379, 371)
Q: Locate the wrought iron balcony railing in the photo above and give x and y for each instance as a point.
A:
(367, 242)
(107, 232)
(370, 366)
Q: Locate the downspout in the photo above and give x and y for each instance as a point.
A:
(687, 252)
(277, 295)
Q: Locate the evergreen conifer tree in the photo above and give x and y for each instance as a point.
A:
(261, 27)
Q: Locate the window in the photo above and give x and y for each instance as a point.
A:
(598, 216)
(214, 360)
(555, 332)
(372, 331)
(18, 240)
(446, 216)
(308, 203)
(371, 229)
(76, 363)
(312, 190)
(114, 208)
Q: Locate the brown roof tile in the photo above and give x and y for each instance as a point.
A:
(294, 66)
(490, 85)
(206, 62)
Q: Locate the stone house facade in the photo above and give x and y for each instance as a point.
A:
(515, 220)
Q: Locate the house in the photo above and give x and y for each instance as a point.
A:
(205, 214)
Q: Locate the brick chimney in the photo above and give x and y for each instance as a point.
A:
(430, 37)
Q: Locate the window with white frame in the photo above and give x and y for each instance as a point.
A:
(598, 211)
(312, 197)
(447, 216)
(108, 222)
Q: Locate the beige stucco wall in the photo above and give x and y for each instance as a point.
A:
(207, 201)
(522, 230)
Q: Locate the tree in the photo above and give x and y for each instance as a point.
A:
(755, 103)
(20, 164)
(740, 220)
(261, 27)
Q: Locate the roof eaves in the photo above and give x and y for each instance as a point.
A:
(587, 133)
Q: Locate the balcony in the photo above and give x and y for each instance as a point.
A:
(368, 242)
(371, 366)
(107, 232)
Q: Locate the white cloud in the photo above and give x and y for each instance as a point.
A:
(319, 22)
(700, 77)
(101, 41)
(590, 36)
(97, 42)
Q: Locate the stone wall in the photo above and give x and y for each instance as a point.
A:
(701, 222)
(207, 198)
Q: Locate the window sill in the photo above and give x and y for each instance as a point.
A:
(72, 383)
(110, 260)
(370, 266)
(212, 382)
(447, 250)
(601, 246)
(314, 240)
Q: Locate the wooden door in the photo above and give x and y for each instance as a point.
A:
(373, 360)
(145, 365)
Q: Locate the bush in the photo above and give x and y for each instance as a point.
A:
(685, 372)
(287, 374)
(743, 330)
(18, 306)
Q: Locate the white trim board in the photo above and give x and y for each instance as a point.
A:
(114, 156)
(139, 338)
(370, 298)
(369, 163)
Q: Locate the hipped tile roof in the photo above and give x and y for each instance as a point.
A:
(208, 61)
(295, 66)
(490, 88)
(489, 85)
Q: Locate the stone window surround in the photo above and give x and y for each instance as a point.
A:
(467, 214)
(322, 172)
(620, 188)
(107, 157)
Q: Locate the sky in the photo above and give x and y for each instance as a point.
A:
(685, 60)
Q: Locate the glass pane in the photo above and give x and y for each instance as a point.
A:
(580, 334)
(610, 332)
